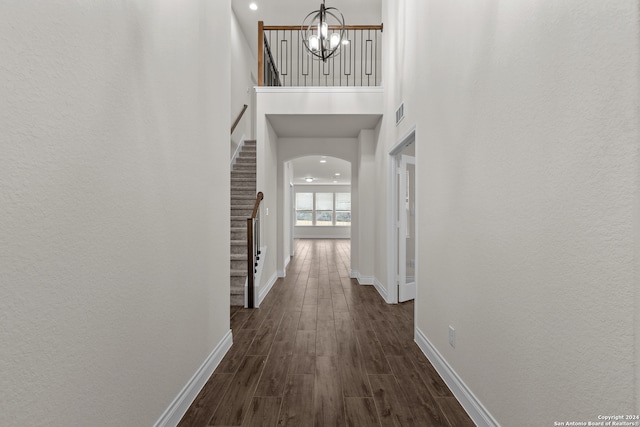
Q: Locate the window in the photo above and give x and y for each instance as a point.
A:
(304, 208)
(343, 208)
(323, 209)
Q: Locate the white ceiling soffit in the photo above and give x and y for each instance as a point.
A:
(322, 125)
(331, 171)
(292, 12)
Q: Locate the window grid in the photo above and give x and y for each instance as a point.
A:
(323, 209)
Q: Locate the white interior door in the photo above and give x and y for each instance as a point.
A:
(406, 214)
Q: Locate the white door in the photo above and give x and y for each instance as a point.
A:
(406, 215)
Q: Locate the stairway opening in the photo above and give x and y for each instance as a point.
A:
(243, 196)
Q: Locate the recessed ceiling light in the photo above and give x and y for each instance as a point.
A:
(323, 160)
(253, 6)
(309, 179)
(337, 174)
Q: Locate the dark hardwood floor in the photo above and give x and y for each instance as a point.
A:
(324, 351)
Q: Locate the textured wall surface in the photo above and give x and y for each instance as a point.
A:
(527, 146)
(113, 182)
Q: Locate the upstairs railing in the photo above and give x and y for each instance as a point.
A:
(284, 61)
(253, 249)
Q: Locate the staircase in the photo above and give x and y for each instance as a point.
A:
(243, 197)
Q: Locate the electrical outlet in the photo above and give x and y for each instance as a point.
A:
(452, 336)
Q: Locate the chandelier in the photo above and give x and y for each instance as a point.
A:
(323, 32)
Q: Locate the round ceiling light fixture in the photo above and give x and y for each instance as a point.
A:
(323, 32)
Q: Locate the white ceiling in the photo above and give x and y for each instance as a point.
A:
(322, 173)
(322, 125)
(292, 12)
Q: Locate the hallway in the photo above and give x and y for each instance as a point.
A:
(322, 350)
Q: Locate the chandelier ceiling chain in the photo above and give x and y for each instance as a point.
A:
(315, 32)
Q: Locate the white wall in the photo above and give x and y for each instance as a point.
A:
(287, 215)
(271, 221)
(527, 165)
(366, 208)
(113, 264)
(243, 65)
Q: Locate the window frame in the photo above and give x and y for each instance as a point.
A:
(314, 212)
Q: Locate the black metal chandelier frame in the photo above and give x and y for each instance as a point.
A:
(324, 45)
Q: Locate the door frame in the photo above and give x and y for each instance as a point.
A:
(404, 286)
(392, 214)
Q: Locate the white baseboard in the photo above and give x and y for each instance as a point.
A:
(176, 410)
(381, 290)
(353, 274)
(364, 280)
(407, 291)
(283, 272)
(478, 413)
(264, 290)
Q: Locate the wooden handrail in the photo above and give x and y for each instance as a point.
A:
(331, 27)
(260, 53)
(256, 206)
(235, 124)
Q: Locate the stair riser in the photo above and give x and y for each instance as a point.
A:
(241, 212)
(237, 249)
(239, 265)
(237, 297)
(238, 235)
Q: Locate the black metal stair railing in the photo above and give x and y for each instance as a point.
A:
(253, 249)
(285, 61)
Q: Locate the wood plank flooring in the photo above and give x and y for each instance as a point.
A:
(324, 351)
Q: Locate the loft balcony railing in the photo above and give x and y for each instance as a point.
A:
(284, 61)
